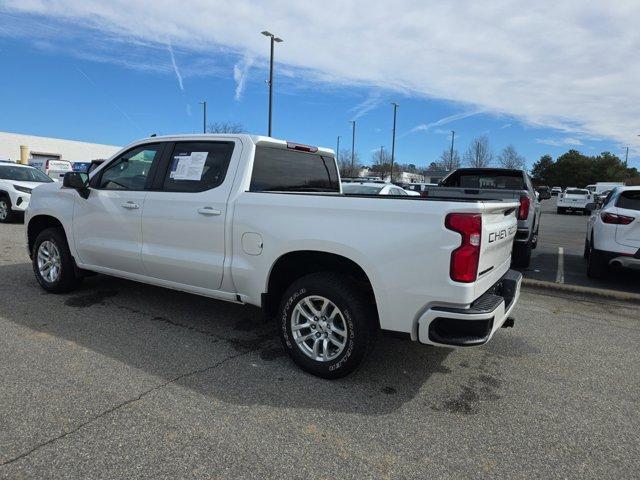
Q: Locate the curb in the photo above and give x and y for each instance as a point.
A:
(577, 289)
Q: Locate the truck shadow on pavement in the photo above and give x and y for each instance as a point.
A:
(222, 350)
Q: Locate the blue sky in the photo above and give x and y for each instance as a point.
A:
(67, 75)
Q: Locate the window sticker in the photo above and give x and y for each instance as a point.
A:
(188, 167)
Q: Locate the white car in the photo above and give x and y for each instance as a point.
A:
(613, 233)
(574, 200)
(370, 188)
(16, 183)
(259, 221)
(556, 191)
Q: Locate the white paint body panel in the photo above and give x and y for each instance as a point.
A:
(401, 244)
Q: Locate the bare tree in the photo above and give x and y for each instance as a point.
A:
(225, 127)
(448, 162)
(345, 165)
(381, 162)
(479, 153)
(509, 158)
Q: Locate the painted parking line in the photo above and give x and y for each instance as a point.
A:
(560, 274)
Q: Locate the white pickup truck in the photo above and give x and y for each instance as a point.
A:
(259, 221)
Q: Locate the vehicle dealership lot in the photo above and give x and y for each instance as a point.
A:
(126, 380)
(558, 257)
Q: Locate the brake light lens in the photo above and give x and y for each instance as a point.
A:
(615, 219)
(465, 258)
(523, 211)
(301, 147)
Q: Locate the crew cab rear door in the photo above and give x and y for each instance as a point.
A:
(628, 205)
(184, 217)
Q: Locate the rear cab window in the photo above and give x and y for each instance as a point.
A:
(577, 192)
(283, 170)
(500, 180)
(629, 200)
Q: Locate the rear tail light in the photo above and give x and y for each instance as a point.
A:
(615, 219)
(46, 165)
(523, 210)
(465, 258)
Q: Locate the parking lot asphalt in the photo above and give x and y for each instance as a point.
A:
(123, 380)
(559, 256)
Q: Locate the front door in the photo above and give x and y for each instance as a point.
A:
(107, 226)
(183, 221)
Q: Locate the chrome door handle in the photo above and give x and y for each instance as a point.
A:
(130, 205)
(209, 211)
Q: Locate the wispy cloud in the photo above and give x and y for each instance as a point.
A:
(240, 74)
(188, 109)
(560, 142)
(109, 99)
(370, 103)
(500, 74)
(506, 125)
(175, 66)
(424, 127)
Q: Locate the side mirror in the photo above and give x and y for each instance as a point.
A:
(590, 207)
(78, 181)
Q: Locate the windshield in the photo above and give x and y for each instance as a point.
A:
(23, 174)
(577, 191)
(358, 189)
(501, 180)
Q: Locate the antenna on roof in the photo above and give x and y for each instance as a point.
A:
(153, 135)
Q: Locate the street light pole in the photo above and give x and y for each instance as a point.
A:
(204, 116)
(338, 148)
(273, 39)
(626, 156)
(393, 139)
(453, 135)
(353, 145)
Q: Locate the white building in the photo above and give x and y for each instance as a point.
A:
(13, 145)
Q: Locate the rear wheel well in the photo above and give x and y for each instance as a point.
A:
(294, 265)
(39, 223)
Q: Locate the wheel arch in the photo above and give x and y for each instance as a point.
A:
(293, 265)
(39, 223)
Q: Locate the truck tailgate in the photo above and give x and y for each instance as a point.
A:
(499, 227)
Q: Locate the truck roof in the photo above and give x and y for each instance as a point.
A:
(255, 139)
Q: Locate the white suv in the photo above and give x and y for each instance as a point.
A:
(613, 232)
(16, 183)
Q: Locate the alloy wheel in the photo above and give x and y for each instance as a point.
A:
(319, 328)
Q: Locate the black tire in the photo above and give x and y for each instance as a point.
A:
(560, 211)
(5, 206)
(68, 279)
(358, 318)
(521, 256)
(597, 265)
(587, 248)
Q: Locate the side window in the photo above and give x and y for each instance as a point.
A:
(280, 170)
(131, 170)
(197, 166)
